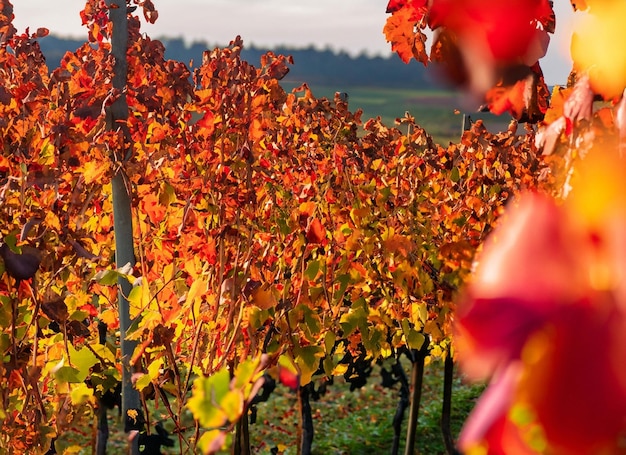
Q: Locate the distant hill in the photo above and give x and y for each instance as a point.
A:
(316, 67)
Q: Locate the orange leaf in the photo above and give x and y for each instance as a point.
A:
(524, 100)
(206, 125)
(557, 100)
(406, 41)
(315, 232)
(151, 207)
(264, 298)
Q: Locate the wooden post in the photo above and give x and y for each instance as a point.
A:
(122, 216)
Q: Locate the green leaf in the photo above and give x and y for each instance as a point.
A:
(414, 339)
(454, 174)
(143, 382)
(495, 189)
(307, 358)
(82, 360)
(167, 194)
(135, 295)
(312, 270)
(104, 351)
(153, 373)
(81, 393)
(245, 373)
(111, 277)
(329, 341)
(107, 277)
(206, 398)
(68, 374)
(356, 317)
(343, 281)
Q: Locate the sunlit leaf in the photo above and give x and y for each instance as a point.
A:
(206, 399)
(81, 393)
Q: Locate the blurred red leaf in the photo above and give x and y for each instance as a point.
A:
(507, 30)
(288, 378)
(523, 315)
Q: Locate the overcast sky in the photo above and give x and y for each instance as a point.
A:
(351, 25)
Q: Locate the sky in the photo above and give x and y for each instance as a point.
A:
(351, 25)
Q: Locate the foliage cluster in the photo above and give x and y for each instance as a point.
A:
(273, 236)
(536, 287)
(265, 224)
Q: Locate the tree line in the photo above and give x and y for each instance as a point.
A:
(314, 66)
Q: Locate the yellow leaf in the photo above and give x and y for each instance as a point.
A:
(81, 394)
(109, 317)
(195, 291)
(94, 171)
(593, 48)
(264, 298)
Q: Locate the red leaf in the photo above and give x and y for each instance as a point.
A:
(206, 125)
(507, 30)
(479, 41)
(149, 12)
(288, 378)
(315, 232)
(418, 8)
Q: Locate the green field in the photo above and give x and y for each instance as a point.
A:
(437, 111)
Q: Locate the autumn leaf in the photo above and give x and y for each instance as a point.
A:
(593, 48)
(521, 327)
(288, 378)
(419, 8)
(94, 171)
(507, 31)
(525, 100)
(149, 11)
(557, 102)
(206, 125)
(152, 207)
(264, 297)
(485, 40)
(316, 233)
(288, 373)
(405, 36)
